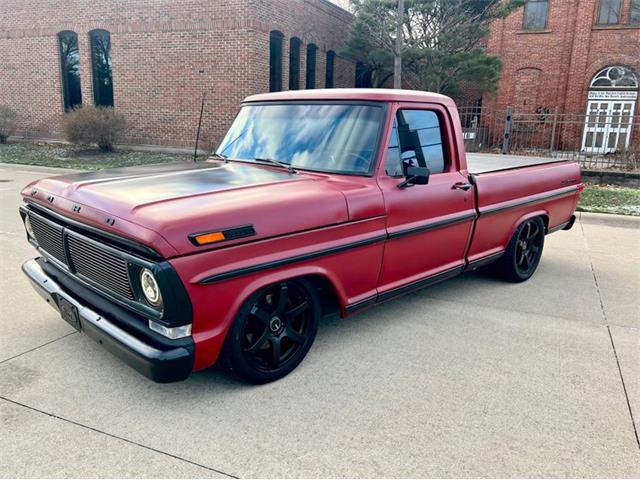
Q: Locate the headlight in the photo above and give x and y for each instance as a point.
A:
(150, 287)
(29, 227)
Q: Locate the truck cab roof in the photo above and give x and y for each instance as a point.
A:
(364, 94)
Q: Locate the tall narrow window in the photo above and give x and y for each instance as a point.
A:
(328, 78)
(294, 63)
(363, 76)
(634, 12)
(101, 66)
(311, 65)
(609, 13)
(70, 69)
(275, 61)
(535, 14)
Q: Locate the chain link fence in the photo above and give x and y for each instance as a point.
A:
(602, 138)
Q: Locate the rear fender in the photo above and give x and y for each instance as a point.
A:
(527, 216)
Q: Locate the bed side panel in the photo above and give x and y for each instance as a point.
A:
(506, 198)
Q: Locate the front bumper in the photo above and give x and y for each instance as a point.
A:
(159, 365)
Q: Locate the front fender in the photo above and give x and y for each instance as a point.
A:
(216, 305)
(217, 297)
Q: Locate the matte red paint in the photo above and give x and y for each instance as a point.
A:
(295, 215)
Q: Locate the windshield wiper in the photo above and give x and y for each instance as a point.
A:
(278, 163)
(220, 155)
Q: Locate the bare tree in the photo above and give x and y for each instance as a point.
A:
(442, 42)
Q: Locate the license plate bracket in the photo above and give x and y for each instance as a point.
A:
(69, 313)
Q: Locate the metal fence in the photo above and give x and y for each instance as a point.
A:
(598, 139)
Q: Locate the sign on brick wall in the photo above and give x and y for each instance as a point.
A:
(612, 95)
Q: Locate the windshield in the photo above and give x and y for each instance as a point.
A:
(338, 138)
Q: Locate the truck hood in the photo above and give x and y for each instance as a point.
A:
(172, 201)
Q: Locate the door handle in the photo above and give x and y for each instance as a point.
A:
(462, 186)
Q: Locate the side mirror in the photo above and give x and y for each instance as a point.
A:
(415, 176)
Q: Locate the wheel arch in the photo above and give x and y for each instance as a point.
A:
(234, 293)
(543, 214)
(332, 292)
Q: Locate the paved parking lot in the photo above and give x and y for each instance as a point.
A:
(472, 377)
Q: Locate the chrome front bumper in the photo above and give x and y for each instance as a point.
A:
(159, 365)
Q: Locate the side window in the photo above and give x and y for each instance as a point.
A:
(420, 140)
(393, 165)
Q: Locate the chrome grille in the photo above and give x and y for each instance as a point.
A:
(49, 238)
(87, 259)
(100, 266)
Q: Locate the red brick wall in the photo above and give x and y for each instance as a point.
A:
(554, 67)
(165, 54)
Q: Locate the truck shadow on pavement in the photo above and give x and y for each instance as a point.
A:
(336, 336)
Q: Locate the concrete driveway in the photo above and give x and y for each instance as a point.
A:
(469, 378)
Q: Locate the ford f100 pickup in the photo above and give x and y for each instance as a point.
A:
(316, 202)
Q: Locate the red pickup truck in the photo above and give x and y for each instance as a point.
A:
(316, 202)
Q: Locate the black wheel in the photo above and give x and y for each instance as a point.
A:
(523, 254)
(273, 331)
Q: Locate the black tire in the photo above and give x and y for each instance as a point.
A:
(273, 331)
(523, 254)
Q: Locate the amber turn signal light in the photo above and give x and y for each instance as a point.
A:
(206, 238)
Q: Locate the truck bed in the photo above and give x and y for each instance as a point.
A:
(478, 163)
(517, 189)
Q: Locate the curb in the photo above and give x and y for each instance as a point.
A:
(611, 220)
(28, 168)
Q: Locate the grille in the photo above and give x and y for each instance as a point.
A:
(49, 238)
(99, 265)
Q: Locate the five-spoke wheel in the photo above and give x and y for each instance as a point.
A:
(273, 331)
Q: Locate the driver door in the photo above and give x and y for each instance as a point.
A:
(429, 226)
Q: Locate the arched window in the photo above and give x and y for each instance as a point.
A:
(101, 65)
(611, 105)
(328, 78)
(311, 65)
(615, 77)
(363, 76)
(294, 63)
(70, 69)
(275, 61)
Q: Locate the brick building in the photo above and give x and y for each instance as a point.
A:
(579, 56)
(153, 59)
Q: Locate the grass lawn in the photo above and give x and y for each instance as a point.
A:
(80, 157)
(610, 199)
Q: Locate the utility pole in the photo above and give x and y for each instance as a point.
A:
(397, 61)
